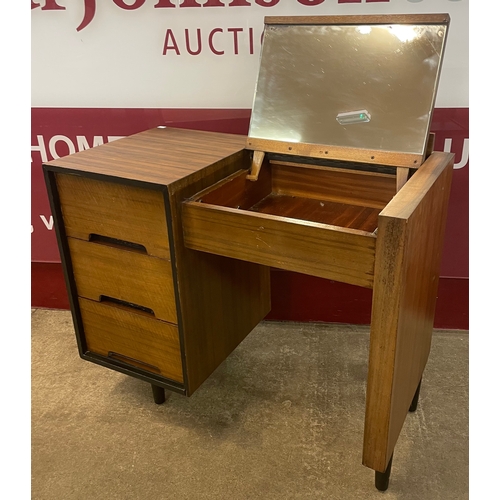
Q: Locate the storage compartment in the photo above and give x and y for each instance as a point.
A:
(131, 337)
(309, 218)
(106, 272)
(99, 209)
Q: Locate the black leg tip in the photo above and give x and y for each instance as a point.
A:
(414, 403)
(158, 394)
(382, 478)
(381, 483)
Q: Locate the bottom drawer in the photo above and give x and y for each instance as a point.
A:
(133, 338)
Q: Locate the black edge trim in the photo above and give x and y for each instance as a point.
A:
(180, 323)
(62, 242)
(134, 372)
(348, 165)
(49, 174)
(107, 178)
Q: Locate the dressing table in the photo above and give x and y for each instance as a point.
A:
(167, 236)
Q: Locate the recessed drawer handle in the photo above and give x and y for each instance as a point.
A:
(131, 361)
(125, 304)
(115, 242)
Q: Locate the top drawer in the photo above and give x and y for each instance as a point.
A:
(99, 208)
(309, 219)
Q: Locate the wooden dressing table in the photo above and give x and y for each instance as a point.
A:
(167, 236)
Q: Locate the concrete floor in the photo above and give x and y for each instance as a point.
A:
(281, 418)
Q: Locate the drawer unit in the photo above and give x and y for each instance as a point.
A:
(142, 303)
(118, 246)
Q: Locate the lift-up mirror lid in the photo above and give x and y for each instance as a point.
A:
(355, 88)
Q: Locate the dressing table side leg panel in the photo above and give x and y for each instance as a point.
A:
(407, 261)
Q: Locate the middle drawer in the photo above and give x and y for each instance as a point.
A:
(106, 272)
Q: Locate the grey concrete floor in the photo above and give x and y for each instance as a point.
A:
(281, 418)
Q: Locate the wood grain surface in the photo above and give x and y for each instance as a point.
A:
(407, 260)
(115, 210)
(124, 275)
(236, 191)
(222, 300)
(354, 187)
(325, 151)
(305, 247)
(158, 156)
(136, 338)
(338, 197)
(325, 212)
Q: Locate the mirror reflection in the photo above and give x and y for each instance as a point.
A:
(364, 86)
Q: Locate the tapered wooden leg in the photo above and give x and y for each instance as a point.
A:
(158, 394)
(382, 478)
(414, 402)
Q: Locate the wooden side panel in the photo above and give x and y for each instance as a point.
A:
(407, 259)
(114, 210)
(132, 338)
(305, 247)
(123, 275)
(359, 188)
(222, 300)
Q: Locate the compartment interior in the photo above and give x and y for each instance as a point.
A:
(333, 195)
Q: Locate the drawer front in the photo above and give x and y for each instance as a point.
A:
(105, 272)
(306, 247)
(132, 338)
(92, 207)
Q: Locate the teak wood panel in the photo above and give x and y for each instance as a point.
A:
(353, 187)
(325, 212)
(301, 246)
(132, 338)
(222, 300)
(325, 195)
(125, 275)
(158, 156)
(110, 209)
(408, 255)
(359, 188)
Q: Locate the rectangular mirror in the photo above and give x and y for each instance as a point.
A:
(358, 88)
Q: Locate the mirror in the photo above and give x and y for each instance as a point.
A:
(356, 86)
